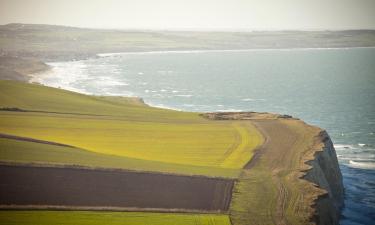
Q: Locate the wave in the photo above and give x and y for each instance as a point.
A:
(108, 81)
(343, 146)
(162, 106)
(189, 105)
(360, 157)
(186, 96)
(365, 145)
(252, 99)
(57, 76)
(230, 110)
(122, 94)
(362, 164)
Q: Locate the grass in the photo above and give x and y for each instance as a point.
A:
(15, 151)
(110, 218)
(119, 127)
(272, 192)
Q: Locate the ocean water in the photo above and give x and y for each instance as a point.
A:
(331, 88)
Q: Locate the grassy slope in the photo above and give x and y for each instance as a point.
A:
(23, 66)
(133, 132)
(113, 218)
(13, 68)
(117, 133)
(15, 151)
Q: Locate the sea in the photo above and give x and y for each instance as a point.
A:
(331, 88)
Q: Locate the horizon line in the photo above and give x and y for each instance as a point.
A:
(195, 29)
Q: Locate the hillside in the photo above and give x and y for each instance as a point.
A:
(144, 136)
(14, 68)
(97, 153)
(54, 43)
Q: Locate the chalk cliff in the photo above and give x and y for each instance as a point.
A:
(325, 172)
(301, 159)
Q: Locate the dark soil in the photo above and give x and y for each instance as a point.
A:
(26, 185)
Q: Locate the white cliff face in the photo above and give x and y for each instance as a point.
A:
(325, 172)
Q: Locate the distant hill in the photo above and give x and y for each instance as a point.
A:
(15, 68)
(50, 42)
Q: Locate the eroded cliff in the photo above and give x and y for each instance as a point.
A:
(294, 177)
(325, 172)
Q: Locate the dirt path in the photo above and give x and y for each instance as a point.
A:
(270, 189)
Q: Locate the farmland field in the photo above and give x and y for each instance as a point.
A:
(126, 129)
(108, 189)
(110, 218)
(23, 152)
(53, 132)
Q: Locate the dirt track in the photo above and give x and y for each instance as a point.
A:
(24, 185)
(270, 190)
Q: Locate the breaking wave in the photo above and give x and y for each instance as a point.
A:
(362, 164)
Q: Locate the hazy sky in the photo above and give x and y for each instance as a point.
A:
(193, 14)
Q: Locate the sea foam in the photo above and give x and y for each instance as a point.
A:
(362, 164)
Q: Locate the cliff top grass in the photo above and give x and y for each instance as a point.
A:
(115, 132)
(272, 190)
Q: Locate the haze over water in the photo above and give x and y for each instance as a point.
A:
(330, 88)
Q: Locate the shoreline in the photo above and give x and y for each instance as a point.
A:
(39, 76)
(109, 54)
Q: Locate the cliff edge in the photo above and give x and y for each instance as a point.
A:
(325, 172)
(293, 178)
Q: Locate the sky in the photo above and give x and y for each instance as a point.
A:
(194, 14)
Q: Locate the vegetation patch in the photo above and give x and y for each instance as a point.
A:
(22, 152)
(109, 218)
(127, 129)
(272, 191)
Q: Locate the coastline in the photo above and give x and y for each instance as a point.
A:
(348, 131)
(21, 69)
(39, 76)
(183, 51)
(286, 177)
(320, 194)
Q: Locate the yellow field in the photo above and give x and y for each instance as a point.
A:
(124, 128)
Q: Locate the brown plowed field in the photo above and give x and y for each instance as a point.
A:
(27, 185)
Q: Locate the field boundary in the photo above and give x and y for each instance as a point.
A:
(106, 169)
(20, 138)
(106, 209)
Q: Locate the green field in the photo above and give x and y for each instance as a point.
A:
(15, 151)
(119, 133)
(116, 132)
(110, 218)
